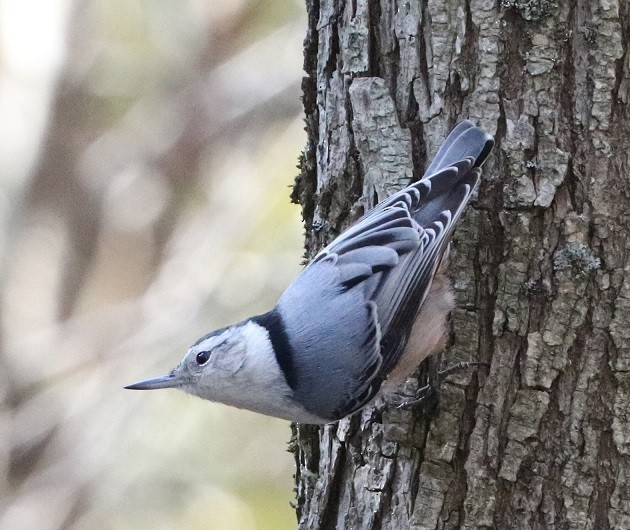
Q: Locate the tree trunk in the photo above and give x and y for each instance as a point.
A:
(540, 439)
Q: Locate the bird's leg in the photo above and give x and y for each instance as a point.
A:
(433, 384)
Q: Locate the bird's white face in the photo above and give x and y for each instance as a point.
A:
(208, 369)
(213, 363)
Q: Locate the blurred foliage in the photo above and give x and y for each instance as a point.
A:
(147, 150)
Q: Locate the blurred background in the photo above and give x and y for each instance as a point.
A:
(146, 153)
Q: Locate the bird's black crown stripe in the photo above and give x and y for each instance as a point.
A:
(211, 334)
(273, 323)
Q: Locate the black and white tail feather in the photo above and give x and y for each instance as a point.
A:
(364, 290)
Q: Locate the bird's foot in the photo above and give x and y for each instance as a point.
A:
(404, 402)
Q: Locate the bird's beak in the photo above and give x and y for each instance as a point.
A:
(164, 381)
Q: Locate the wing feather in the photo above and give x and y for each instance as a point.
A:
(349, 313)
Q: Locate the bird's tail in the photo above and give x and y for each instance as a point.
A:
(466, 149)
(465, 140)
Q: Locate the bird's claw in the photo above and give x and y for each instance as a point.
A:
(422, 394)
(430, 389)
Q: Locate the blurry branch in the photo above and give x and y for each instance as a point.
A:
(230, 98)
(83, 149)
(219, 103)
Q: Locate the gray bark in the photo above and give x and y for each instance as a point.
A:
(541, 439)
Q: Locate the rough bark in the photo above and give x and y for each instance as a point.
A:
(541, 439)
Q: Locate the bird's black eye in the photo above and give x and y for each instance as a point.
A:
(202, 357)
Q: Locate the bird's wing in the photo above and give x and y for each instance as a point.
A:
(400, 291)
(332, 326)
(350, 310)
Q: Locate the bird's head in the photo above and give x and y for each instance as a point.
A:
(209, 367)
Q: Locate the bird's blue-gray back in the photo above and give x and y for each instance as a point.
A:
(367, 286)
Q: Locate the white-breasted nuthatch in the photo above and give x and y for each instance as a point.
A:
(365, 311)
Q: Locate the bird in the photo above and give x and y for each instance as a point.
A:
(359, 318)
